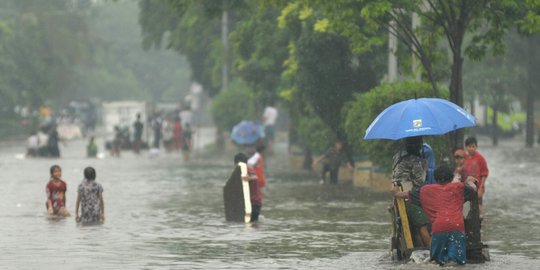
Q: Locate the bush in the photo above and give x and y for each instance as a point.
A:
(360, 112)
(233, 105)
(315, 134)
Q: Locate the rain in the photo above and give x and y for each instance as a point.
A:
(237, 134)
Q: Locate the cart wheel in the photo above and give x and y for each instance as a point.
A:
(395, 255)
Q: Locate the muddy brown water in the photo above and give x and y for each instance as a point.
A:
(163, 213)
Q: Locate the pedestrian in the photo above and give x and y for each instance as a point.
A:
(256, 162)
(187, 141)
(443, 204)
(249, 175)
(91, 148)
(409, 171)
(43, 138)
(117, 142)
(476, 166)
(32, 145)
(167, 133)
(332, 160)
(56, 193)
(156, 126)
(177, 133)
(52, 143)
(269, 118)
(186, 116)
(138, 128)
(90, 200)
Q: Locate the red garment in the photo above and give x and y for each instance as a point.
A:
(56, 193)
(254, 190)
(259, 171)
(177, 135)
(443, 204)
(476, 167)
(463, 174)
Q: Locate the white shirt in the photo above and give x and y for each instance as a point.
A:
(253, 160)
(33, 142)
(186, 116)
(42, 139)
(270, 115)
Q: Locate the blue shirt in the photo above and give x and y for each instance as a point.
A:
(427, 153)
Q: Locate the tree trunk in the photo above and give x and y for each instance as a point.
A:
(495, 127)
(456, 96)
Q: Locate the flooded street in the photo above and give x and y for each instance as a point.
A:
(163, 213)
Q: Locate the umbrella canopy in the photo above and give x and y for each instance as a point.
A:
(247, 132)
(416, 117)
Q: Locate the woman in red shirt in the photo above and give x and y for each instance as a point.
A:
(56, 193)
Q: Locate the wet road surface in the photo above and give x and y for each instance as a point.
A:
(163, 213)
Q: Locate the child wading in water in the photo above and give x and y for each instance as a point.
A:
(56, 193)
(90, 200)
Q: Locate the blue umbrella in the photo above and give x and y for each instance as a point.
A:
(416, 117)
(247, 132)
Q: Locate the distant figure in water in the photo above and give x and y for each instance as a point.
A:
(187, 141)
(117, 142)
(90, 200)
(91, 148)
(32, 145)
(56, 193)
(52, 143)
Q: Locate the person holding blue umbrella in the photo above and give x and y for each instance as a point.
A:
(409, 170)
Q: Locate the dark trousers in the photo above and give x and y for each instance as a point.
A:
(333, 173)
(255, 211)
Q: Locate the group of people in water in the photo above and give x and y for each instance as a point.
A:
(172, 132)
(89, 197)
(44, 142)
(439, 205)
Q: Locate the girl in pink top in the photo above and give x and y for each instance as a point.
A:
(56, 193)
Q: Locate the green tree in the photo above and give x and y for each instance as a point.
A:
(193, 29)
(494, 79)
(121, 64)
(484, 21)
(48, 40)
(360, 112)
(234, 105)
(260, 48)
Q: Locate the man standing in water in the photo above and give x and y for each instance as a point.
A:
(333, 158)
(409, 170)
(138, 128)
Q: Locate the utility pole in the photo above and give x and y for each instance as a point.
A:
(392, 49)
(225, 41)
(220, 136)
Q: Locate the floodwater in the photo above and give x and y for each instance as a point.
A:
(163, 213)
